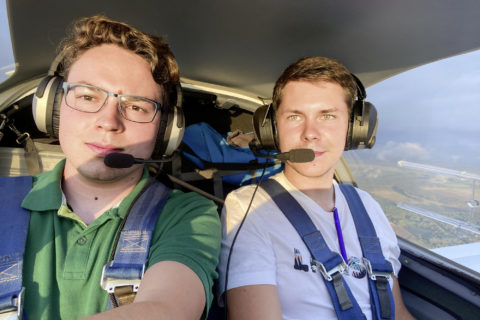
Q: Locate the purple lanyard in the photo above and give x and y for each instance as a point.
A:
(339, 234)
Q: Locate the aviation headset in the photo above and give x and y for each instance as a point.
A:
(48, 97)
(362, 124)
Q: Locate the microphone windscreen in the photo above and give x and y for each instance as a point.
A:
(119, 160)
(301, 155)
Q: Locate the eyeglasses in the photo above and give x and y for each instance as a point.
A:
(91, 99)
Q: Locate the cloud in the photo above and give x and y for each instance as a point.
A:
(395, 151)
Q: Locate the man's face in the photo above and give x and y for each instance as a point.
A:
(313, 115)
(86, 138)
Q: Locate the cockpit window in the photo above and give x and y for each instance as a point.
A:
(7, 62)
(425, 166)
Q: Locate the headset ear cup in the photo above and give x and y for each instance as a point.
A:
(48, 98)
(371, 134)
(362, 127)
(264, 125)
(46, 104)
(57, 103)
(172, 128)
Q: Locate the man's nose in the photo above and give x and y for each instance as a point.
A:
(109, 117)
(311, 129)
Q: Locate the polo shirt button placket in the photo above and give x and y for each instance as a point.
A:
(82, 241)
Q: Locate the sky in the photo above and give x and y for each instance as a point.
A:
(431, 114)
(6, 56)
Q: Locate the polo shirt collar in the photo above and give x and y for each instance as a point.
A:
(46, 193)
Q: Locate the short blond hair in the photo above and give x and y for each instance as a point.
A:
(316, 69)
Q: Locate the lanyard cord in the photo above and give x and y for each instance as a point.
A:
(340, 235)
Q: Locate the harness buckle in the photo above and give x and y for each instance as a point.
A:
(374, 274)
(109, 284)
(22, 138)
(327, 275)
(15, 312)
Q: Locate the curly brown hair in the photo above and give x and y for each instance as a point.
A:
(316, 69)
(88, 32)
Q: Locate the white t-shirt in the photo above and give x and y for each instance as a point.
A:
(268, 250)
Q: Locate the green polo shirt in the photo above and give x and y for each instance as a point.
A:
(64, 258)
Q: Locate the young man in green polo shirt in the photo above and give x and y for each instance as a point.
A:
(117, 83)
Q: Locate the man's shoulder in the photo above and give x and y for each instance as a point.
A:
(179, 195)
(180, 201)
(250, 188)
(364, 195)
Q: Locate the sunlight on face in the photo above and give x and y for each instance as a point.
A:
(313, 115)
(87, 137)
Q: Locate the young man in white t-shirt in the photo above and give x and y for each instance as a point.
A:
(270, 273)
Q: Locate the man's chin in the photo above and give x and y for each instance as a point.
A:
(100, 173)
(310, 169)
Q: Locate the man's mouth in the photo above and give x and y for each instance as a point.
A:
(103, 150)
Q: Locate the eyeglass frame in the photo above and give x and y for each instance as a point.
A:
(65, 84)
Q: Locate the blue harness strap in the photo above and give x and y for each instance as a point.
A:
(330, 264)
(14, 220)
(121, 277)
(122, 274)
(378, 268)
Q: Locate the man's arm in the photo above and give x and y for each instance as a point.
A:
(401, 312)
(261, 302)
(254, 302)
(169, 290)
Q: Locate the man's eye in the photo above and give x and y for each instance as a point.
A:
(328, 116)
(294, 117)
(136, 108)
(84, 98)
(87, 98)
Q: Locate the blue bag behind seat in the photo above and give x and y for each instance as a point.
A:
(210, 149)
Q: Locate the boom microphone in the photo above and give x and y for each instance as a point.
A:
(294, 155)
(125, 160)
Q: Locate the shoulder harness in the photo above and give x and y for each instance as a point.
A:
(331, 265)
(120, 277)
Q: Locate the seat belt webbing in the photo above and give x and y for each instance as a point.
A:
(121, 276)
(378, 268)
(15, 219)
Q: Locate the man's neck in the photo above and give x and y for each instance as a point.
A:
(90, 199)
(319, 189)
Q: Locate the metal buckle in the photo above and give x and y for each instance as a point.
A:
(109, 285)
(22, 138)
(16, 312)
(328, 274)
(373, 275)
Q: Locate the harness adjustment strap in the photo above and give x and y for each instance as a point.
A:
(385, 307)
(334, 275)
(124, 295)
(342, 295)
